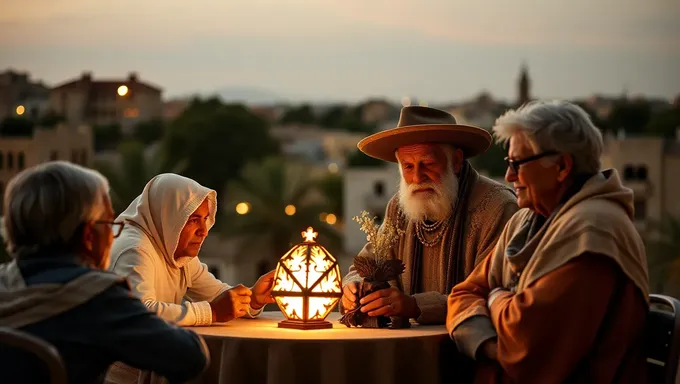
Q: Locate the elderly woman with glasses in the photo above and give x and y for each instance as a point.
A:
(59, 226)
(564, 295)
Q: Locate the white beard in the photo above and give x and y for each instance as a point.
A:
(434, 206)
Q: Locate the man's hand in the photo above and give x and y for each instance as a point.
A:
(262, 291)
(231, 304)
(350, 295)
(390, 302)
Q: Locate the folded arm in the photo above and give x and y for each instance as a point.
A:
(140, 271)
(133, 335)
(468, 319)
(560, 313)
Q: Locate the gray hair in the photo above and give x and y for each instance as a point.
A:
(558, 126)
(45, 205)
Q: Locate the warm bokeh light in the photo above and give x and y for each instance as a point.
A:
(322, 216)
(290, 210)
(423, 104)
(307, 284)
(405, 101)
(333, 168)
(242, 208)
(331, 219)
(122, 90)
(20, 110)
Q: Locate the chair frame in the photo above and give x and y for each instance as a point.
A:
(671, 365)
(38, 347)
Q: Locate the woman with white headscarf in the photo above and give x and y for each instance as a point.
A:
(158, 249)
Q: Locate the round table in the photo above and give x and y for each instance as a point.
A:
(257, 351)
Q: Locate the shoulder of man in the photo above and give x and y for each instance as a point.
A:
(104, 278)
(491, 195)
(393, 210)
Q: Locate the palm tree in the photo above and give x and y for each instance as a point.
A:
(128, 178)
(281, 201)
(663, 254)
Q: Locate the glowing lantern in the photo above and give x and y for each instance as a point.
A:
(307, 285)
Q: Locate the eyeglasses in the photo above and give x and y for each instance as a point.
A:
(514, 164)
(116, 227)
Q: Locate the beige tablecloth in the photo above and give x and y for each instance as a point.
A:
(257, 351)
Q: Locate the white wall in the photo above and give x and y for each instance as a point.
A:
(359, 195)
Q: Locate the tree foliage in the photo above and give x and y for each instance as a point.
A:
(148, 132)
(269, 187)
(128, 177)
(216, 141)
(107, 137)
(630, 116)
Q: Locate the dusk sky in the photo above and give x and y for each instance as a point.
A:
(435, 50)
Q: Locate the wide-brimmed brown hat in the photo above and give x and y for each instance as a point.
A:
(420, 125)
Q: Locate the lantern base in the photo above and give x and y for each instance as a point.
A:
(305, 325)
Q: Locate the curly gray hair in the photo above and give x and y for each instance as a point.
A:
(555, 125)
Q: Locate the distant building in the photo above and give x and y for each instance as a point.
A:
(524, 86)
(125, 101)
(317, 146)
(269, 113)
(650, 166)
(63, 142)
(19, 96)
(366, 189)
(378, 111)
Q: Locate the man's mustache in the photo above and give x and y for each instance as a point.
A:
(412, 188)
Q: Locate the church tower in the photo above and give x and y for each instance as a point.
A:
(524, 86)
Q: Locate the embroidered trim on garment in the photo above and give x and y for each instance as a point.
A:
(203, 313)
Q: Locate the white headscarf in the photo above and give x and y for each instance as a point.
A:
(162, 210)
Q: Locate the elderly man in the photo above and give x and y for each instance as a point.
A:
(59, 225)
(564, 296)
(451, 215)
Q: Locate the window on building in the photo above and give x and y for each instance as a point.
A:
(642, 173)
(629, 172)
(379, 188)
(54, 155)
(640, 207)
(83, 156)
(131, 112)
(21, 161)
(10, 160)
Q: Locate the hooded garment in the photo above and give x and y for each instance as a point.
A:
(22, 305)
(178, 290)
(575, 283)
(89, 316)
